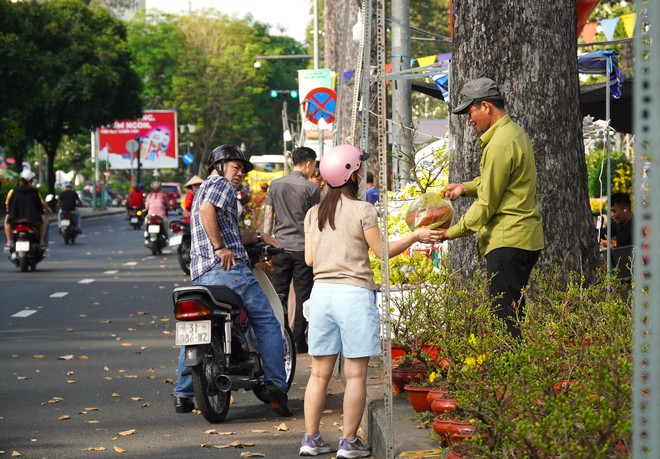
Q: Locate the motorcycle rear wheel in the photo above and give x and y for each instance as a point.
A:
(289, 365)
(213, 403)
(23, 264)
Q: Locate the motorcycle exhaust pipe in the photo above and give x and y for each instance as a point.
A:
(232, 382)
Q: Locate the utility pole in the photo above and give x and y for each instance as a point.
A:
(401, 94)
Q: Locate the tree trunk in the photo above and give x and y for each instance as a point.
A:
(529, 48)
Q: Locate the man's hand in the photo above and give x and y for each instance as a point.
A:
(226, 258)
(454, 191)
(270, 240)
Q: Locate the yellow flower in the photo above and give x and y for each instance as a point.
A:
(470, 361)
(472, 339)
(481, 359)
(432, 376)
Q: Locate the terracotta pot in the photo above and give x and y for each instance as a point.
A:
(460, 437)
(435, 393)
(454, 455)
(417, 398)
(402, 377)
(446, 428)
(442, 405)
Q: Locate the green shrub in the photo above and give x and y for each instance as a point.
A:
(621, 180)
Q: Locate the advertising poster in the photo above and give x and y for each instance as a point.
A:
(154, 135)
(308, 81)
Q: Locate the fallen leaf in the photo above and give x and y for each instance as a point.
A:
(151, 377)
(105, 368)
(69, 330)
(119, 450)
(71, 381)
(70, 373)
(145, 405)
(64, 417)
(92, 409)
(142, 313)
(22, 378)
(282, 427)
(65, 357)
(38, 356)
(136, 399)
(96, 448)
(210, 431)
(127, 432)
(251, 454)
(329, 411)
(127, 344)
(121, 371)
(114, 394)
(93, 422)
(16, 454)
(132, 329)
(83, 357)
(106, 321)
(258, 431)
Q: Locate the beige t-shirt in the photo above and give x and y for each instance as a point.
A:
(341, 256)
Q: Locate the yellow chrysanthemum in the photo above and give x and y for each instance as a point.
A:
(481, 359)
(472, 339)
(470, 361)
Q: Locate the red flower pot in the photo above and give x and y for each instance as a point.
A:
(454, 455)
(417, 398)
(435, 393)
(442, 405)
(402, 377)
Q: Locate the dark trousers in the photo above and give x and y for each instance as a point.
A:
(293, 266)
(508, 270)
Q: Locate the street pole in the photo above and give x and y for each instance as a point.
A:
(316, 34)
(401, 94)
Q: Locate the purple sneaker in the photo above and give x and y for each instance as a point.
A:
(313, 447)
(352, 449)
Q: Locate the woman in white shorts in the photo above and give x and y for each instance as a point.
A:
(343, 316)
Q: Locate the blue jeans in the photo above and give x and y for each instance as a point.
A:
(266, 326)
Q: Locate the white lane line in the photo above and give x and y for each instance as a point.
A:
(86, 281)
(130, 263)
(112, 271)
(59, 294)
(24, 313)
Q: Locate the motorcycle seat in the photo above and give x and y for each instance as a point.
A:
(226, 295)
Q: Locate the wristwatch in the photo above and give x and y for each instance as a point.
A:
(259, 239)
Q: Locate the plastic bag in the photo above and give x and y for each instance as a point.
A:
(430, 210)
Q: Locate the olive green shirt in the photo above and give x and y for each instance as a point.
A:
(506, 211)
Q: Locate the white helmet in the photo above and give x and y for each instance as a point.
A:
(27, 175)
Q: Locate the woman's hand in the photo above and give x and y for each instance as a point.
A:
(429, 236)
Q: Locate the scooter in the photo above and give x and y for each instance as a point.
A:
(24, 251)
(68, 229)
(154, 237)
(181, 240)
(136, 217)
(220, 344)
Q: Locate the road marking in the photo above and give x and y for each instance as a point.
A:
(86, 281)
(24, 313)
(130, 263)
(112, 271)
(59, 294)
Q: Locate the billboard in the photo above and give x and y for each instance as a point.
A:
(153, 137)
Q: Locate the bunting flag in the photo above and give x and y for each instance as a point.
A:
(629, 23)
(428, 60)
(589, 32)
(441, 80)
(608, 26)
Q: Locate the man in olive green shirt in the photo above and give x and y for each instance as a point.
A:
(506, 211)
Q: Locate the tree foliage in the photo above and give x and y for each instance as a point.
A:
(80, 72)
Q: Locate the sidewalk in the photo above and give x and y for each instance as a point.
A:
(90, 212)
(408, 441)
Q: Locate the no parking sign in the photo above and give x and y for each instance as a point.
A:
(320, 103)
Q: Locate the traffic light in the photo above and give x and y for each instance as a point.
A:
(291, 92)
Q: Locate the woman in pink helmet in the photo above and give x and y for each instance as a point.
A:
(343, 316)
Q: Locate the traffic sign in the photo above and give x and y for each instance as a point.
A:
(132, 146)
(188, 159)
(320, 103)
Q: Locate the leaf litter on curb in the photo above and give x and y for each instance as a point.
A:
(127, 432)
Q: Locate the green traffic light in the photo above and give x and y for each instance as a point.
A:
(294, 94)
(273, 93)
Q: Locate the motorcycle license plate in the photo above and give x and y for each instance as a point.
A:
(66, 222)
(22, 246)
(191, 333)
(134, 219)
(176, 240)
(154, 229)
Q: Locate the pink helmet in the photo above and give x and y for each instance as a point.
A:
(339, 163)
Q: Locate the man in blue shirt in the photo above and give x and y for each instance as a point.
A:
(218, 257)
(372, 195)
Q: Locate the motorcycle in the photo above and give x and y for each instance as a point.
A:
(220, 344)
(25, 251)
(154, 237)
(136, 217)
(68, 229)
(181, 240)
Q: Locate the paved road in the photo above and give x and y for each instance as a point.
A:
(89, 362)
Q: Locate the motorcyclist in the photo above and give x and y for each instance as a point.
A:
(192, 185)
(68, 202)
(156, 204)
(24, 203)
(135, 199)
(218, 257)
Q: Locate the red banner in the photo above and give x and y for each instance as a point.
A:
(154, 136)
